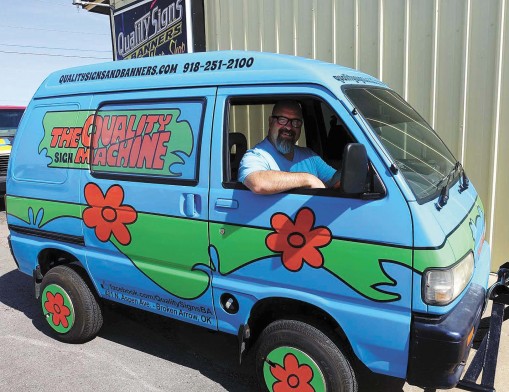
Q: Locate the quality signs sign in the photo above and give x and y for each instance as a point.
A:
(158, 27)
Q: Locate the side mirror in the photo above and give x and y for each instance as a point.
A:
(355, 169)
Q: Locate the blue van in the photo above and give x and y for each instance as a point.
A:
(123, 187)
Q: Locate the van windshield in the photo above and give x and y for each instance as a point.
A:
(420, 154)
(9, 120)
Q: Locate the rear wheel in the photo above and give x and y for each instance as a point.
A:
(296, 356)
(69, 306)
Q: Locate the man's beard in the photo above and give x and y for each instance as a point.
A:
(285, 146)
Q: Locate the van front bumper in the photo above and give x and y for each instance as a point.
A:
(439, 345)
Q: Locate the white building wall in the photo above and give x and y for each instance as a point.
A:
(448, 58)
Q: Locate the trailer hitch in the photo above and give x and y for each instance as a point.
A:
(485, 359)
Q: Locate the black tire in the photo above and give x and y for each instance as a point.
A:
(84, 319)
(309, 343)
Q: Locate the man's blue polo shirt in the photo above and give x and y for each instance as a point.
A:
(264, 156)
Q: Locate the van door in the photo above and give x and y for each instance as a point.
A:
(145, 200)
(349, 256)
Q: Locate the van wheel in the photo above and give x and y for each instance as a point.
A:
(293, 355)
(69, 305)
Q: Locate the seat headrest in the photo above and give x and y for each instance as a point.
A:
(237, 139)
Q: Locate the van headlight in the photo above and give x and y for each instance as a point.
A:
(442, 286)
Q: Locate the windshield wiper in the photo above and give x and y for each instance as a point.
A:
(464, 181)
(446, 180)
(444, 193)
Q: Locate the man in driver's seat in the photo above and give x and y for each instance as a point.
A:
(276, 164)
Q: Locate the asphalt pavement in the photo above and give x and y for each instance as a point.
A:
(134, 351)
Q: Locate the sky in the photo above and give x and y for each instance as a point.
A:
(38, 37)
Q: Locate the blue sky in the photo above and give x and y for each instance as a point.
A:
(51, 34)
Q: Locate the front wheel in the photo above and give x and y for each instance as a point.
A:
(69, 305)
(295, 356)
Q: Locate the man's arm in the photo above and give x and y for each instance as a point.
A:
(335, 181)
(268, 182)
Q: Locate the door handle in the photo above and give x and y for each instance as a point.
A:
(227, 203)
(190, 205)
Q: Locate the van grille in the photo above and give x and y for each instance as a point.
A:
(4, 160)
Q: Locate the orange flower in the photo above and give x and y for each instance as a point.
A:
(55, 306)
(298, 242)
(292, 377)
(107, 214)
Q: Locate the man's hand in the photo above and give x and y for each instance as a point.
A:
(268, 182)
(335, 181)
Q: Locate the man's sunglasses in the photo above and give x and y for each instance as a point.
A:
(282, 120)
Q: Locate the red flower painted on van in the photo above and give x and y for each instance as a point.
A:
(292, 377)
(55, 306)
(107, 215)
(297, 241)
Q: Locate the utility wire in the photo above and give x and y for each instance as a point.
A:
(55, 30)
(62, 2)
(55, 55)
(48, 47)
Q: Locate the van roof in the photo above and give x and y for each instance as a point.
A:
(198, 69)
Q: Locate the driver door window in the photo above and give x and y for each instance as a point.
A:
(248, 122)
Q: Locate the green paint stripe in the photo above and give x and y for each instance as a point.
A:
(43, 210)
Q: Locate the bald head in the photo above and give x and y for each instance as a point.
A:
(280, 106)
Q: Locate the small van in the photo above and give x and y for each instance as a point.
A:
(10, 116)
(123, 187)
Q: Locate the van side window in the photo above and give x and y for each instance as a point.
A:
(56, 149)
(150, 142)
(248, 123)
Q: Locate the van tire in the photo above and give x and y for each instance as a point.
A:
(284, 338)
(70, 307)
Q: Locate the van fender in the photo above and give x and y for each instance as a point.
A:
(47, 258)
(272, 308)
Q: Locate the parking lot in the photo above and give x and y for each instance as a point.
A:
(134, 351)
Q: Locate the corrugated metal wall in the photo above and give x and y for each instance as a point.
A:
(448, 58)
